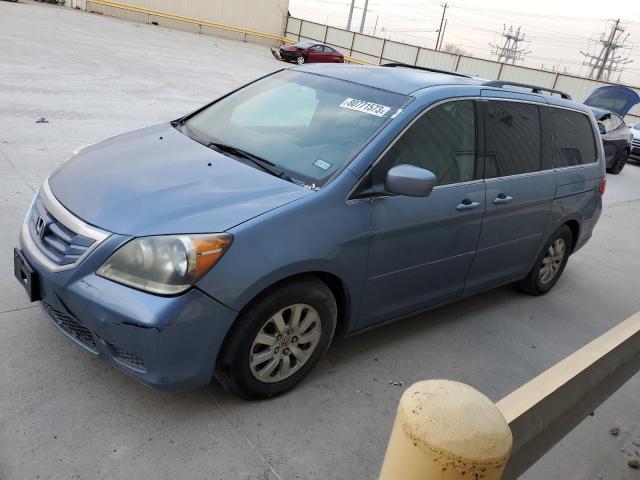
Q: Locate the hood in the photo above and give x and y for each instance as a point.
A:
(614, 98)
(158, 181)
(290, 48)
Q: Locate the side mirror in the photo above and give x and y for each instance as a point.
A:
(410, 181)
(602, 129)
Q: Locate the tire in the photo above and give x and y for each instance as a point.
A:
(620, 162)
(300, 60)
(250, 366)
(542, 276)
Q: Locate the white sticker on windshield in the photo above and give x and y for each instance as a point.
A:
(365, 107)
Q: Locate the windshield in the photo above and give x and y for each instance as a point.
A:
(637, 126)
(306, 125)
(304, 44)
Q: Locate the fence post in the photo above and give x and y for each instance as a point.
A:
(446, 430)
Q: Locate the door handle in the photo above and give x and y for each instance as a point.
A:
(467, 204)
(502, 198)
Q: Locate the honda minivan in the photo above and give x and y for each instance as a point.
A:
(237, 241)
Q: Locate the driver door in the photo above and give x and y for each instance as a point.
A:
(422, 248)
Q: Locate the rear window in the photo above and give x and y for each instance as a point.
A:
(512, 139)
(573, 139)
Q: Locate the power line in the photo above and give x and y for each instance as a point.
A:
(510, 51)
(608, 62)
(444, 11)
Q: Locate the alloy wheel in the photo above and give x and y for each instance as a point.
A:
(300, 60)
(284, 343)
(552, 261)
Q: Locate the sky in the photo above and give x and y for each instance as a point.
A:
(555, 30)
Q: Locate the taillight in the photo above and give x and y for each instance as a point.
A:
(602, 186)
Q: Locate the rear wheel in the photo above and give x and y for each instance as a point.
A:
(550, 264)
(278, 339)
(300, 60)
(620, 162)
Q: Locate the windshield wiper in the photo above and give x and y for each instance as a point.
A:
(263, 163)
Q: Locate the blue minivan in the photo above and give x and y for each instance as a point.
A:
(319, 200)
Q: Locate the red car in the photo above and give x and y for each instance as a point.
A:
(310, 52)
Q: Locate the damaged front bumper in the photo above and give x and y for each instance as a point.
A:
(167, 342)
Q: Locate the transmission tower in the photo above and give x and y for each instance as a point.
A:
(511, 50)
(613, 55)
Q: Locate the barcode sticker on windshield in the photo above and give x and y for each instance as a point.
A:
(365, 107)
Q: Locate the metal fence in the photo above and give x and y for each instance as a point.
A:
(377, 50)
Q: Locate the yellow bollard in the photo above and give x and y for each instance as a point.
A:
(446, 430)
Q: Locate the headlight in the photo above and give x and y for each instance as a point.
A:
(167, 264)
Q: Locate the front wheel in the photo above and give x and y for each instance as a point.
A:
(300, 60)
(620, 162)
(278, 339)
(550, 263)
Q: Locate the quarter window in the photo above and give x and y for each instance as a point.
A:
(512, 139)
(443, 140)
(573, 140)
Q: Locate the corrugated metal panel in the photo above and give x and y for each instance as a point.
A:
(267, 16)
(479, 67)
(369, 45)
(400, 52)
(366, 58)
(578, 88)
(527, 75)
(339, 37)
(440, 60)
(314, 31)
(294, 25)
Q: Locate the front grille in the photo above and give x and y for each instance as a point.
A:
(72, 326)
(636, 143)
(128, 359)
(60, 244)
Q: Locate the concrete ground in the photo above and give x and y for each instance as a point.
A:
(64, 414)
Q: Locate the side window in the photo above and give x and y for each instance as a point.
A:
(328, 50)
(317, 48)
(617, 122)
(573, 140)
(608, 122)
(512, 139)
(443, 140)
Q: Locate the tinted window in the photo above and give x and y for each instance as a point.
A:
(573, 140)
(512, 139)
(329, 50)
(443, 140)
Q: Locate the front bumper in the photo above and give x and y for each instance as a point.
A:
(166, 342)
(288, 55)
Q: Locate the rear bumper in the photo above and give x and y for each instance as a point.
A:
(167, 342)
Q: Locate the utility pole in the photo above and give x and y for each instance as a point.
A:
(353, 2)
(444, 11)
(444, 29)
(510, 49)
(364, 15)
(607, 62)
(375, 27)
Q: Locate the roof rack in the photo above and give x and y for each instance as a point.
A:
(533, 88)
(434, 70)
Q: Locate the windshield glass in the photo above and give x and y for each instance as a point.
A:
(307, 125)
(304, 44)
(637, 126)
